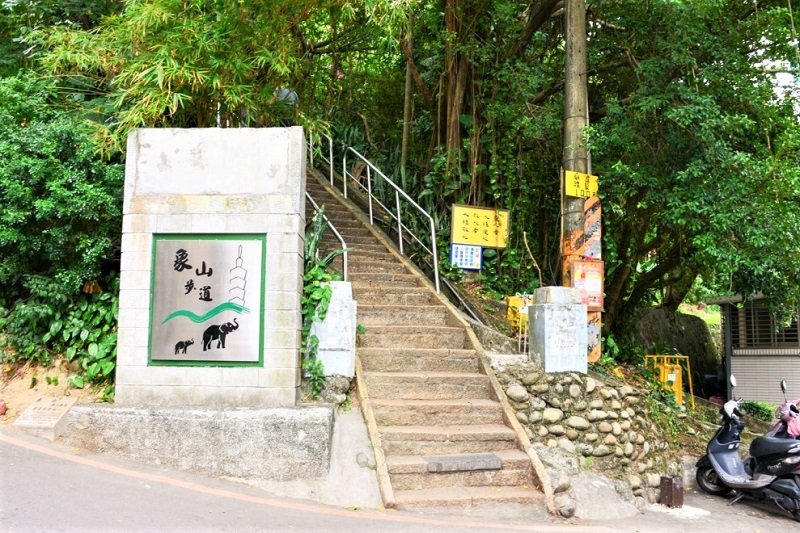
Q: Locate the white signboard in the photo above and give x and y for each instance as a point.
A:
(465, 256)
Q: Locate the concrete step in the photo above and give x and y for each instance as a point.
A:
(341, 223)
(382, 256)
(411, 472)
(395, 315)
(338, 211)
(439, 440)
(352, 232)
(466, 497)
(359, 264)
(331, 205)
(427, 385)
(351, 239)
(368, 295)
(413, 337)
(377, 280)
(370, 252)
(347, 223)
(335, 211)
(401, 359)
(392, 412)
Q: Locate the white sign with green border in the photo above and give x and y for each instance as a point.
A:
(207, 300)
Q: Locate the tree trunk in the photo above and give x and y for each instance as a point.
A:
(455, 81)
(406, 125)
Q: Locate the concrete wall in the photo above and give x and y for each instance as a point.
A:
(279, 444)
(213, 181)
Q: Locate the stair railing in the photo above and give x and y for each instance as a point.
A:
(336, 233)
(312, 149)
(397, 213)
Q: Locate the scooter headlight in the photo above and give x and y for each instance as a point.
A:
(791, 460)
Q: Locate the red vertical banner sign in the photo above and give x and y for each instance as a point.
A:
(592, 251)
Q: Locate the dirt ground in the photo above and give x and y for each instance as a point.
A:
(24, 384)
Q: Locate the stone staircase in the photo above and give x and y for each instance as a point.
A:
(439, 431)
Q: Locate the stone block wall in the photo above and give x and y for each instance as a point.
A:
(580, 423)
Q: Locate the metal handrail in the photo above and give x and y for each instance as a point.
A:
(329, 159)
(336, 233)
(397, 193)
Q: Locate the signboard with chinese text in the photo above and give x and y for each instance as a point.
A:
(587, 277)
(480, 226)
(579, 184)
(207, 299)
(465, 256)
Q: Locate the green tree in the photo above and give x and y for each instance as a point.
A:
(19, 19)
(697, 153)
(202, 63)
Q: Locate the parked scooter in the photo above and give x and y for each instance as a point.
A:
(788, 414)
(773, 468)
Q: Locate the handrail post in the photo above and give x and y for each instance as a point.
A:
(369, 195)
(399, 223)
(335, 233)
(330, 158)
(435, 253)
(344, 172)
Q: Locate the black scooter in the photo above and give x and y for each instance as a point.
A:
(772, 472)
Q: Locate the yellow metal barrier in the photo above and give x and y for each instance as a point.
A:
(514, 304)
(670, 372)
(517, 316)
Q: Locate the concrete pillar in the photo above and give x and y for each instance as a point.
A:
(557, 329)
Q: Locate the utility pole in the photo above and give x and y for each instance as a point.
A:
(581, 249)
(575, 154)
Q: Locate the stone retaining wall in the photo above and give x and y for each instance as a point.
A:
(581, 423)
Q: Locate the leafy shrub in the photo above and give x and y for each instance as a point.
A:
(59, 230)
(316, 299)
(61, 216)
(507, 273)
(82, 327)
(760, 410)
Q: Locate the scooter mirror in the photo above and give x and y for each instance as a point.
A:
(784, 386)
(733, 380)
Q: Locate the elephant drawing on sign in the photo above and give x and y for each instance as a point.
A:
(181, 346)
(218, 333)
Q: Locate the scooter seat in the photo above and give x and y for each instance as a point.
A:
(770, 446)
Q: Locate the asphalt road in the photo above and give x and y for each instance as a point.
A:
(45, 487)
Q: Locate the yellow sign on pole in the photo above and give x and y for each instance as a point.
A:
(480, 226)
(579, 184)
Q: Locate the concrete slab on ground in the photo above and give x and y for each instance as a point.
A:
(279, 443)
(351, 482)
(46, 417)
(597, 499)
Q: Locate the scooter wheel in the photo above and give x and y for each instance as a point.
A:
(708, 480)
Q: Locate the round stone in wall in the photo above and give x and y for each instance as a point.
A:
(517, 393)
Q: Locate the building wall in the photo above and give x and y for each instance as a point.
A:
(758, 377)
(760, 352)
